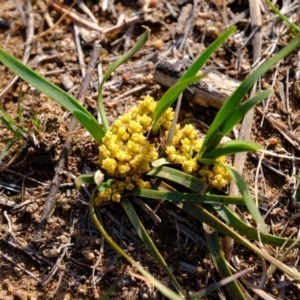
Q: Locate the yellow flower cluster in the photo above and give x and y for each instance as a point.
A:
(182, 152)
(184, 145)
(125, 154)
(216, 175)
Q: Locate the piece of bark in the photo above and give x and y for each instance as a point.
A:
(212, 90)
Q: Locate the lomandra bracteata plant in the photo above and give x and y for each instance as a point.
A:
(132, 150)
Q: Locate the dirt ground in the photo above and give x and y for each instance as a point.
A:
(68, 259)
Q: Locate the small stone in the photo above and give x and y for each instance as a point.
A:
(212, 31)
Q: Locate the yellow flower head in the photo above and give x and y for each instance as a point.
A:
(182, 152)
(126, 155)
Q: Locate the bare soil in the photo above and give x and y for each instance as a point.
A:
(70, 260)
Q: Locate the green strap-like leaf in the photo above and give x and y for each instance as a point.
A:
(54, 92)
(203, 215)
(232, 147)
(179, 177)
(186, 197)
(249, 202)
(161, 287)
(233, 101)
(89, 123)
(170, 97)
(140, 229)
(216, 252)
(251, 233)
(226, 281)
(241, 111)
(136, 47)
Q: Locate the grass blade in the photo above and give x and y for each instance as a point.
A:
(283, 17)
(8, 146)
(11, 124)
(137, 46)
(169, 98)
(249, 201)
(208, 290)
(19, 110)
(179, 177)
(251, 233)
(232, 147)
(203, 215)
(216, 252)
(88, 122)
(52, 91)
(241, 111)
(186, 197)
(162, 288)
(225, 112)
(140, 229)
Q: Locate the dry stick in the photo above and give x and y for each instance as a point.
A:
(18, 266)
(46, 16)
(184, 25)
(80, 55)
(62, 9)
(50, 201)
(86, 10)
(29, 36)
(51, 28)
(59, 260)
(289, 136)
(125, 94)
(16, 244)
(95, 266)
(239, 158)
(20, 11)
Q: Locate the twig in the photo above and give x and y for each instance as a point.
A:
(20, 267)
(6, 201)
(118, 225)
(29, 36)
(41, 4)
(50, 201)
(86, 10)
(239, 158)
(146, 208)
(59, 260)
(268, 100)
(20, 11)
(282, 129)
(28, 250)
(79, 50)
(95, 266)
(184, 24)
(265, 164)
(62, 9)
(130, 92)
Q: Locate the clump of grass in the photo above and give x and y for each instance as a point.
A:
(23, 133)
(129, 152)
